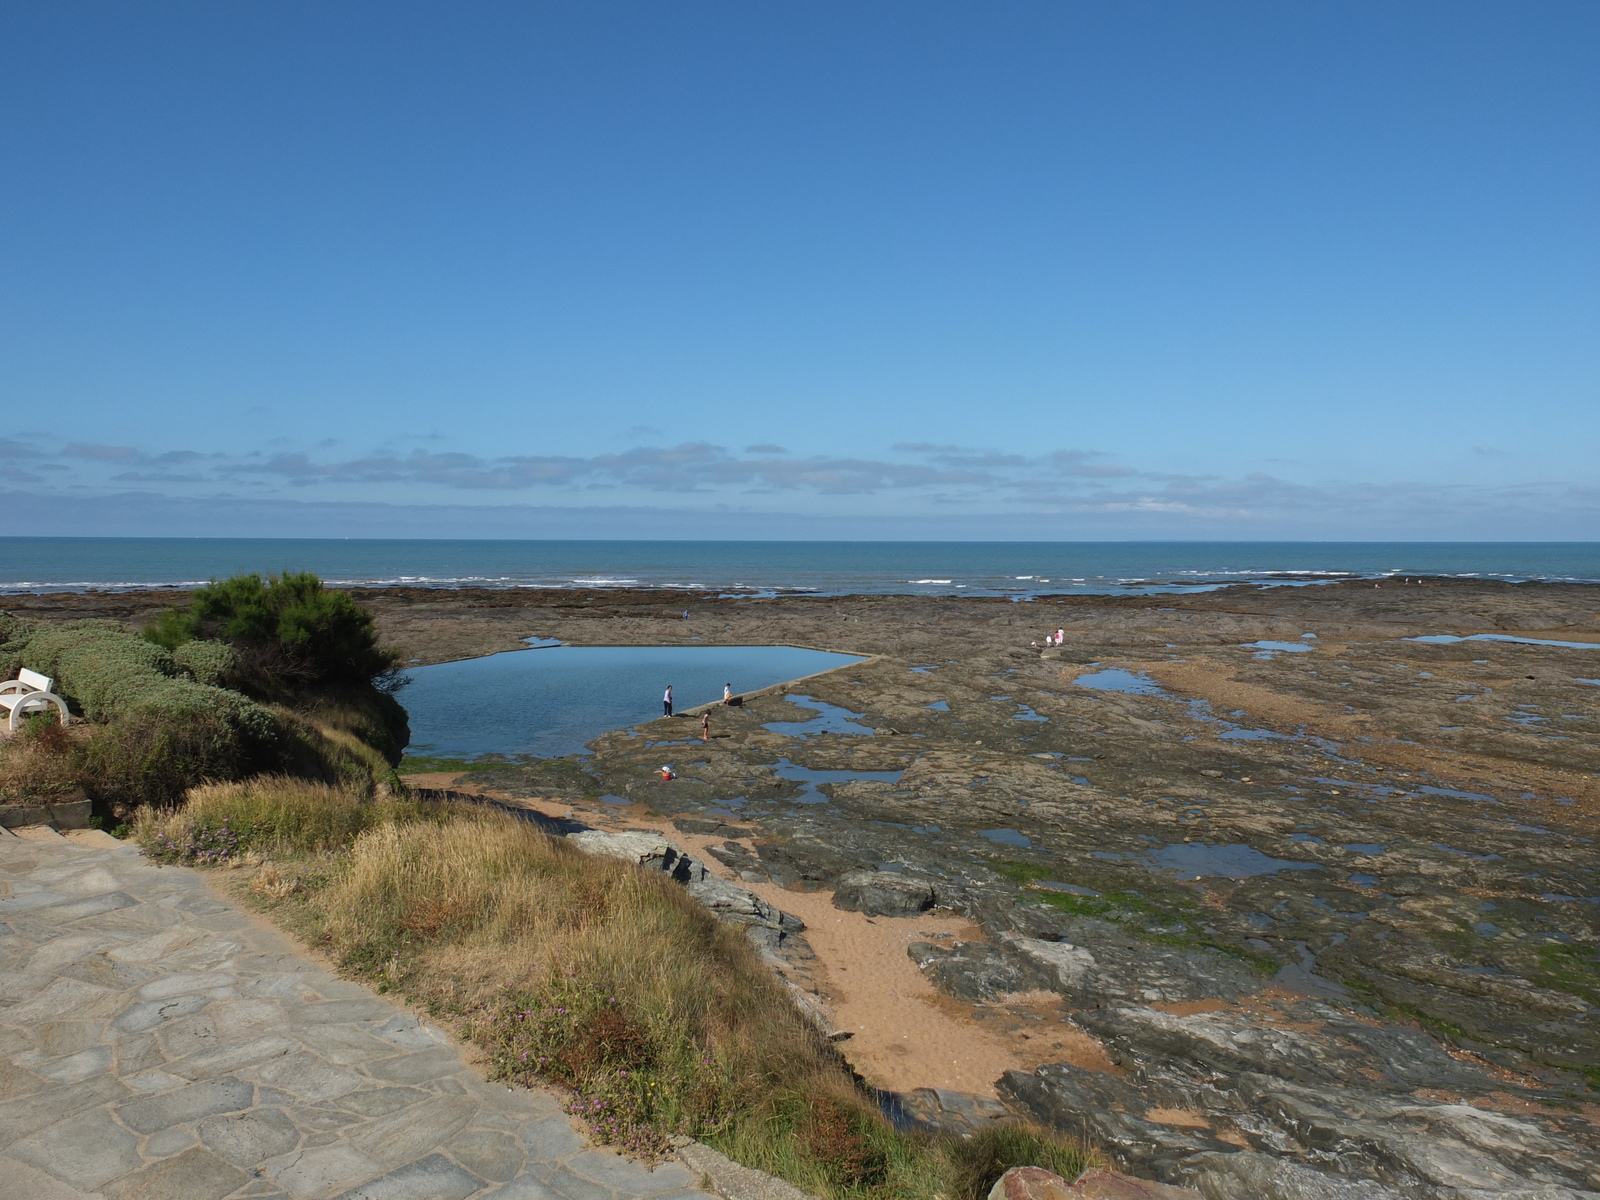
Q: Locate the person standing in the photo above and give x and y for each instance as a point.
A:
(666, 702)
(727, 693)
(705, 726)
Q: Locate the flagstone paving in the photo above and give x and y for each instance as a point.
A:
(159, 1043)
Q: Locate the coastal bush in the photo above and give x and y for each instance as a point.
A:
(289, 634)
(153, 755)
(162, 724)
(565, 968)
(108, 674)
(205, 662)
(290, 640)
(160, 731)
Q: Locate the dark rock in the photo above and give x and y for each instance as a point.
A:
(1250, 1176)
(1234, 1042)
(976, 972)
(937, 1110)
(743, 863)
(883, 894)
(788, 863)
(1097, 1183)
(714, 826)
(1421, 1148)
(1094, 1105)
(1104, 964)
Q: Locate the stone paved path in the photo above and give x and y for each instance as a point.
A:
(157, 1043)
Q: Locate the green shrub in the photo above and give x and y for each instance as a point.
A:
(289, 640)
(290, 634)
(205, 662)
(153, 755)
(163, 726)
(14, 633)
(106, 672)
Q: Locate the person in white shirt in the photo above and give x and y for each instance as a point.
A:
(666, 702)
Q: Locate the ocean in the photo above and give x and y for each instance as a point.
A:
(1017, 569)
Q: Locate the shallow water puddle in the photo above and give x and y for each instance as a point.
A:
(1252, 735)
(1006, 837)
(810, 794)
(1115, 679)
(1198, 860)
(1456, 795)
(1469, 853)
(830, 718)
(1302, 976)
(1055, 885)
(1446, 638)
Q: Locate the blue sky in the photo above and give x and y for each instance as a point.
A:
(1038, 269)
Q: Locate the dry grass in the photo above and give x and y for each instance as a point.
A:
(41, 762)
(269, 815)
(583, 971)
(586, 971)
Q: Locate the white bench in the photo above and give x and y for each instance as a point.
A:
(28, 693)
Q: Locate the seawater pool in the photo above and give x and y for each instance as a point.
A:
(553, 700)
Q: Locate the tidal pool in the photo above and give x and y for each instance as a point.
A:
(1006, 837)
(811, 794)
(1290, 647)
(1115, 679)
(830, 718)
(553, 700)
(1446, 638)
(1195, 860)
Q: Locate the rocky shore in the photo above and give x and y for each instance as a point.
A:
(1308, 905)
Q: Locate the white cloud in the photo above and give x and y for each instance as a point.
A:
(912, 480)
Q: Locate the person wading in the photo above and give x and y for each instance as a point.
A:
(666, 702)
